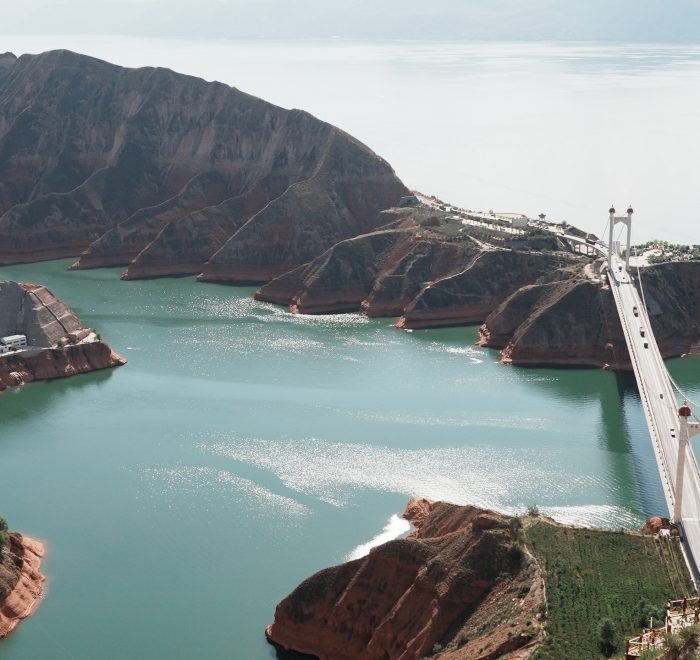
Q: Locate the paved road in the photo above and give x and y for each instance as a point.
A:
(659, 403)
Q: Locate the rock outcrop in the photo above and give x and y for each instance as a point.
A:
(573, 321)
(32, 310)
(170, 174)
(57, 344)
(48, 363)
(458, 569)
(470, 295)
(19, 569)
(377, 273)
(410, 268)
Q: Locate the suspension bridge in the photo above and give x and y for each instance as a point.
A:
(668, 419)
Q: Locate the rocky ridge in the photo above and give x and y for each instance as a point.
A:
(422, 266)
(539, 306)
(170, 174)
(458, 570)
(20, 565)
(573, 321)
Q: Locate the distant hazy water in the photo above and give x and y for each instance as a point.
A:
(563, 129)
(242, 448)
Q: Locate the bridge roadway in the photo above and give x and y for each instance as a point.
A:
(658, 401)
(659, 404)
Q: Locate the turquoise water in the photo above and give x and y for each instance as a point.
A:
(242, 448)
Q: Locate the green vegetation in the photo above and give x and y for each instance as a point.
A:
(608, 641)
(599, 584)
(8, 571)
(4, 535)
(669, 251)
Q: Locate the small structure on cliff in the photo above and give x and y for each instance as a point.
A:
(13, 343)
(408, 200)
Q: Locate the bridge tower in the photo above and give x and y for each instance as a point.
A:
(625, 220)
(686, 431)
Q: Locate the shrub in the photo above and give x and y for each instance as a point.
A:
(672, 642)
(691, 632)
(514, 557)
(4, 536)
(533, 511)
(607, 637)
(647, 611)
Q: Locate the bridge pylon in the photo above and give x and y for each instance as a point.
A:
(686, 431)
(625, 220)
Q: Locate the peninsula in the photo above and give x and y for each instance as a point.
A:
(472, 584)
(41, 338)
(536, 298)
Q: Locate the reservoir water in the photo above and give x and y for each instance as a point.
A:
(242, 448)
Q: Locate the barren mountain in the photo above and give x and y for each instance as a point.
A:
(170, 174)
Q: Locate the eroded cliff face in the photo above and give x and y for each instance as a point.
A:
(470, 295)
(58, 345)
(32, 310)
(573, 322)
(166, 173)
(20, 566)
(45, 364)
(458, 569)
(410, 270)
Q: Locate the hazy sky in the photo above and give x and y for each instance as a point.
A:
(595, 20)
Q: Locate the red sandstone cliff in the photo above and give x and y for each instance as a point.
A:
(378, 273)
(48, 363)
(460, 566)
(574, 321)
(20, 564)
(470, 295)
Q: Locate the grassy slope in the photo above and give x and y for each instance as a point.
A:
(593, 574)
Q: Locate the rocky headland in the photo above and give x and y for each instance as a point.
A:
(422, 265)
(535, 299)
(21, 581)
(572, 321)
(57, 343)
(168, 174)
(472, 584)
(455, 574)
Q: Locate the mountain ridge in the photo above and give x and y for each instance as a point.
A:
(159, 171)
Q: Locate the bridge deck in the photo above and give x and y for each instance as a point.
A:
(659, 404)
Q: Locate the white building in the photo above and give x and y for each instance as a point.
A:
(13, 342)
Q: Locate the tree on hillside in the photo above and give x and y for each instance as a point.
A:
(607, 637)
(4, 536)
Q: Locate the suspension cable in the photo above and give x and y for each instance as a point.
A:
(675, 385)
